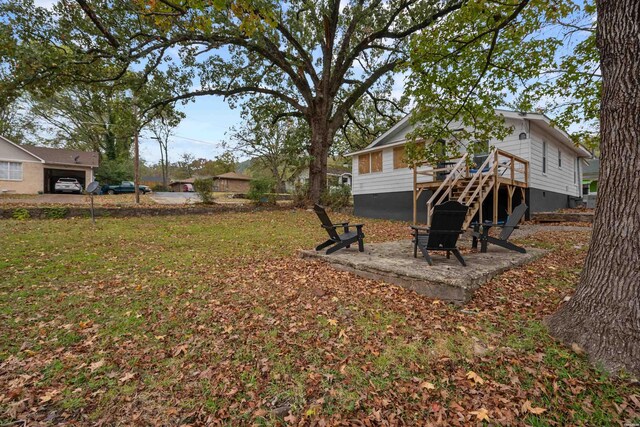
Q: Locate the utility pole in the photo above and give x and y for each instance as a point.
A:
(136, 154)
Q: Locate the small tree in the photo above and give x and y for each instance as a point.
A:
(204, 188)
(274, 145)
(261, 191)
(161, 128)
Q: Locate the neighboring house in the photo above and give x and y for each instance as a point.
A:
(231, 182)
(26, 169)
(178, 186)
(335, 176)
(547, 172)
(590, 175)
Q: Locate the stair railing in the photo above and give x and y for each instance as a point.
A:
(444, 190)
(477, 177)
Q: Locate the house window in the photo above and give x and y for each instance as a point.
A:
(544, 156)
(364, 165)
(399, 160)
(11, 171)
(559, 158)
(370, 162)
(376, 161)
(480, 147)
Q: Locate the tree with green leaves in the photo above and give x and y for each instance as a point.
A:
(484, 57)
(588, 71)
(15, 123)
(86, 118)
(161, 127)
(273, 145)
(318, 58)
(603, 316)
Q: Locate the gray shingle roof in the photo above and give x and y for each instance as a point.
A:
(62, 156)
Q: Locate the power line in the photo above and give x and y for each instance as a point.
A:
(176, 136)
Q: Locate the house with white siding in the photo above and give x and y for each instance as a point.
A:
(536, 163)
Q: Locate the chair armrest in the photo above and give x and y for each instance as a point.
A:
(419, 228)
(341, 224)
(330, 227)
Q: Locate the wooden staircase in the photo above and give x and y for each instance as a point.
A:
(470, 190)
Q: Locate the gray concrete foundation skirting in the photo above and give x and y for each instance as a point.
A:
(446, 280)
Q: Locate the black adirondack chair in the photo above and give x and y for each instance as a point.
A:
(446, 227)
(338, 241)
(507, 228)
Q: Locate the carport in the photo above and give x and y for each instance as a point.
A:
(51, 176)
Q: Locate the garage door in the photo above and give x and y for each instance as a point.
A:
(52, 175)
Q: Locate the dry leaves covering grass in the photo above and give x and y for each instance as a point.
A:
(214, 320)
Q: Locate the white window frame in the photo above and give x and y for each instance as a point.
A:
(544, 157)
(559, 158)
(19, 176)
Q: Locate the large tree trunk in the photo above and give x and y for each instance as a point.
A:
(603, 316)
(321, 138)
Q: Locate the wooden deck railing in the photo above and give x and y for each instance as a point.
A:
(501, 167)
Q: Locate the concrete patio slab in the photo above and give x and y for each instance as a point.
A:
(447, 280)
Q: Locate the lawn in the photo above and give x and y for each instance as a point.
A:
(214, 319)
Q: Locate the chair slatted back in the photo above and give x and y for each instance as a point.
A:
(512, 221)
(326, 221)
(446, 225)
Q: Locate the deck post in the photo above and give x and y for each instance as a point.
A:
(510, 191)
(415, 194)
(496, 188)
(481, 199)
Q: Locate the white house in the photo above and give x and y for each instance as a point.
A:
(548, 172)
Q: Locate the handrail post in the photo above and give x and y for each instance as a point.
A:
(415, 192)
(513, 170)
(495, 188)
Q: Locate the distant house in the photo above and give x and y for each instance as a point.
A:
(336, 176)
(178, 186)
(232, 182)
(26, 169)
(537, 163)
(590, 175)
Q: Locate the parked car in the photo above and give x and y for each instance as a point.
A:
(187, 188)
(67, 185)
(123, 188)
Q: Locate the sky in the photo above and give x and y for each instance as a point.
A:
(201, 133)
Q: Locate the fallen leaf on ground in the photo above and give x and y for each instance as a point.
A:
(526, 406)
(475, 377)
(481, 414)
(126, 377)
(96, 365)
